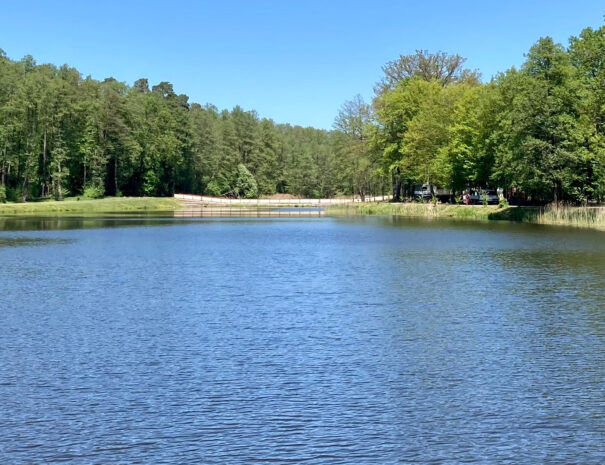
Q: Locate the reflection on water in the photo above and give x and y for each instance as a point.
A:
(315, 340)
(81, 221)
(50, 223)
(26, 241)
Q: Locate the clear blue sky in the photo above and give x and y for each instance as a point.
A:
(292, 61)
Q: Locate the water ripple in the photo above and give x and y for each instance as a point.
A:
(302, 341)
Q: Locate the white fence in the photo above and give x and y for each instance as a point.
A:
(206, 199)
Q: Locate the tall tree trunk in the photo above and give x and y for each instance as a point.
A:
(397, 185)
(115, 174)
(556, 193)
(59, 187)
(3, 177)
(24, 190)
(44, 189)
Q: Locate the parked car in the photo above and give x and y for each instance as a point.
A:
(427, 191)
(492, 196)
(477, 196)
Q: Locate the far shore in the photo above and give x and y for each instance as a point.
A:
(583, 217)
(81, 205)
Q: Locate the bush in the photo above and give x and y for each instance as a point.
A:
(150, 183)
(213, 188)
(503, 203)
(93, 192)
(245, 184)
(2, 194)
(13, 194)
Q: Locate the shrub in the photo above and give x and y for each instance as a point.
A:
(503, 203)
(150, 182)
(2, 194)
(213, 188)
(245, 184)
(13, 194)
(93, 192)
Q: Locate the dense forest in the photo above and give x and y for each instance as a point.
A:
(64, 135)
(539, 130)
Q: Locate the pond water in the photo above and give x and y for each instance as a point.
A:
(314, 340)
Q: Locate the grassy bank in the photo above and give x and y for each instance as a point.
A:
(422, 210)
(585, 217)
(106, 205)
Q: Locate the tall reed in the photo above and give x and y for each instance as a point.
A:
(593, 217)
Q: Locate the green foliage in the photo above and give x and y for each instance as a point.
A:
(93, 192)
(540, 129)
(61, 133)
(213, 188)
(503, 203)
(440, 67)
(360, 168)
(13, 194)
(543, 134)
(2, 194)
(245, 184)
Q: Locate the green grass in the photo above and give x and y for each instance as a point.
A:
(106, 205)
(421, 210)
(585, 217)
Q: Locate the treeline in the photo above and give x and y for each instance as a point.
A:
(538, 131)
(62, 134)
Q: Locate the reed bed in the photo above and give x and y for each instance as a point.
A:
(587, 217)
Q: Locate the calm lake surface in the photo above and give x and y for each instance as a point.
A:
(311, 340)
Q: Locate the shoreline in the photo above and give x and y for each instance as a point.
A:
(580, 217)
(105, 205)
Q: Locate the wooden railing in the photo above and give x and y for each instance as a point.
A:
(206, 199)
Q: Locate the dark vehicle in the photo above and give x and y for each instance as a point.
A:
(478, 195)
(428, 191)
